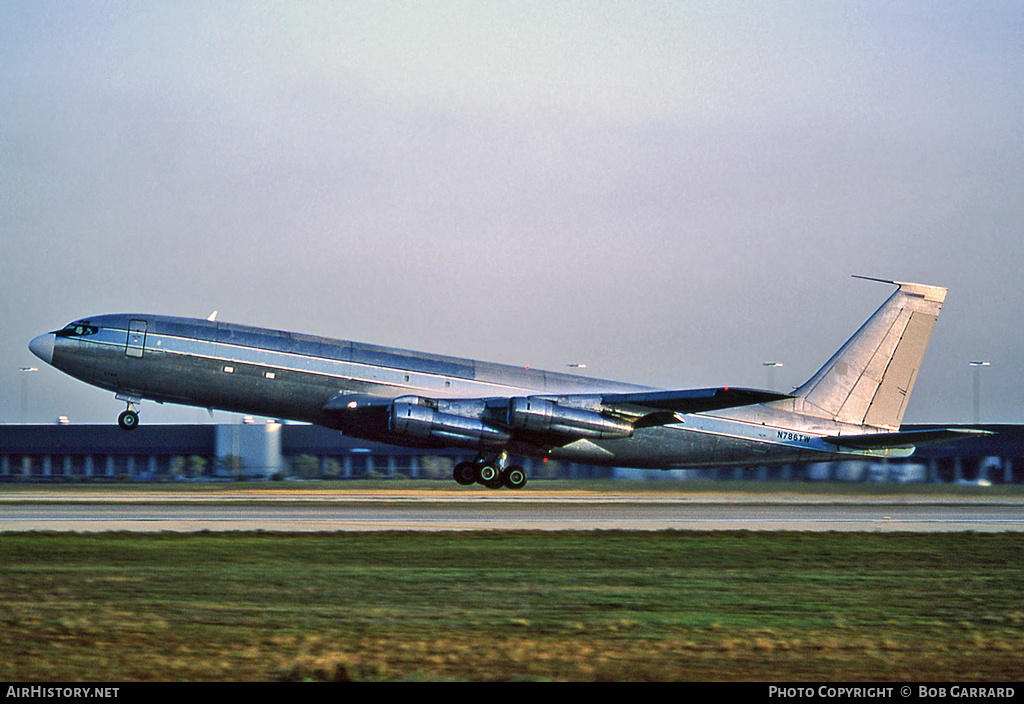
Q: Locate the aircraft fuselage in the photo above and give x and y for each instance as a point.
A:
(293, 376)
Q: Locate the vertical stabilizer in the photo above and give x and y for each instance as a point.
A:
(869, 380)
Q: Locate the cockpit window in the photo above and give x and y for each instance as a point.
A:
(78, 330)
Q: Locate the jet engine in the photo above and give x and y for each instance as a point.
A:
(424, 422)
(544, 416)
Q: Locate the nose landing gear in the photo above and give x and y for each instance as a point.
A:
(129, 419)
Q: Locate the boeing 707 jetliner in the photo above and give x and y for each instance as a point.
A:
(852, 406)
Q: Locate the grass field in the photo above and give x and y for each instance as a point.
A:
(506, 606)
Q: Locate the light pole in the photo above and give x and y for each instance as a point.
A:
(977, 388)
(25, 371)
(769, 374)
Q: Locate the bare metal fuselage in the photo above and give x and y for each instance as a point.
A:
(333, 383)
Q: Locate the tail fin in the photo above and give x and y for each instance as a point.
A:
(869, 380)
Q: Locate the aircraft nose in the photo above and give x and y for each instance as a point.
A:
(42, 347)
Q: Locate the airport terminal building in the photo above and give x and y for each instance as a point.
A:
(270, 450)
(249, 450)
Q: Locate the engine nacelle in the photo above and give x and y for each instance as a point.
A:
(543, 416)
(424, 422)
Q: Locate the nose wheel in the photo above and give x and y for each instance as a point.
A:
(128, 420)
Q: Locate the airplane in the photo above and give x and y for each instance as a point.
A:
(852, 407)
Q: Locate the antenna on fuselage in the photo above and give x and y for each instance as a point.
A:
(213, 316)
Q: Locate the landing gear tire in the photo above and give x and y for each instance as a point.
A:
(489, 476)
(128, 420)
(514, 477)
(465, 473)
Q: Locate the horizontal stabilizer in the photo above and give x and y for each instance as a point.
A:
(695, 400)
(907, 438)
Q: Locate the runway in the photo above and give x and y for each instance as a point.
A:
(339, 511)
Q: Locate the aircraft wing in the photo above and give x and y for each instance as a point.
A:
(905, 439)
(682, 401)
(694, 400)
(541, 419)
(553, 420)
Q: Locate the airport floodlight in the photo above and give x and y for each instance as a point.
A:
(769, 373)
(977, 365)
(24, 390)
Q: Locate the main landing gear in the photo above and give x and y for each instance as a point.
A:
(491, 472)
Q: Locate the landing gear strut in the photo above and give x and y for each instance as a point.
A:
(491, 472)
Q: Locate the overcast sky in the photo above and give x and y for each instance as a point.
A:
(670, 192)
